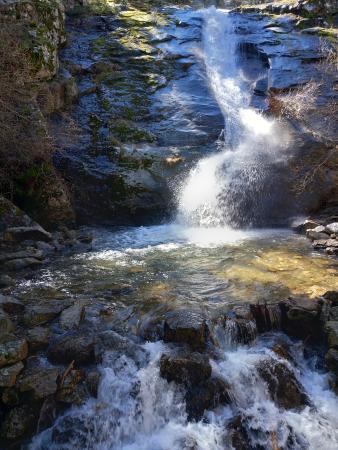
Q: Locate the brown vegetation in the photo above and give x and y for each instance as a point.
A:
(25, 147)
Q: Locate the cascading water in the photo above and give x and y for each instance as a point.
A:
(136, 408)
(233, 186)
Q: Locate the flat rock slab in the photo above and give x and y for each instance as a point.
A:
(20, 234)
(40, 314)
(71, 317)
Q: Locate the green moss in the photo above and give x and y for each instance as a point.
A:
(126, 131)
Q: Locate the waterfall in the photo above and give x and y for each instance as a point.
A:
(233, 186)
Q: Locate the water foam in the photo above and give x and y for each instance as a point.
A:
(229, 187)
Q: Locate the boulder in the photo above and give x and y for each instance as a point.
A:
(186, 327)
(206, 396)
(78, 348)
(282, 385)
(11, 305)
(305, 225)
(19, 422)
(72, 316)
(40, 382)
(317, 233)
(8, 374)
(40, 314)
(331, 330)
(189, 370)
(38, 338)
(300, 317)
(13, 351)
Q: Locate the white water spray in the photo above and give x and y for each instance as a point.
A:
(229, 187)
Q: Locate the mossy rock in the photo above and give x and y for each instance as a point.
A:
(126, 131)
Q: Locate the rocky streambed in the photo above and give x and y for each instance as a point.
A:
(195, 333)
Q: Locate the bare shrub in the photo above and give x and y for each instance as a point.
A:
(24, 140)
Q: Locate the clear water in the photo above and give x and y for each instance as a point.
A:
(199, 261)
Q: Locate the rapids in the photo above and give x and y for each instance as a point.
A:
(208, 258)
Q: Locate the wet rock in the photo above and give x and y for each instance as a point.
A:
(23, 263)
(85, 238)
(331, 359)
(189, 370)
(23, 254)
(332, 228)
(11, 397)
(206, 396)
(317, 233)
(306, 225)
(72, 431)
(44, 247)
(301, 317)
(70, 390)
(237, 434)
(282, 351)
(282, 385)
(92, 382)
(8, 374)
(38, 338)
(186, 327)
(331, 329)
(11, 305)
(20, 421)
(76, 348)
(40, 314)
(40, 382)
(12, 216)
(72, 316)
(115, 344)
(6, 325)
(324, 243)
(334, 313)
(20, 234)
(13, 351)
(267, 317)
(332, 296)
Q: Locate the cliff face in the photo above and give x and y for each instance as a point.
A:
(32, 34)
